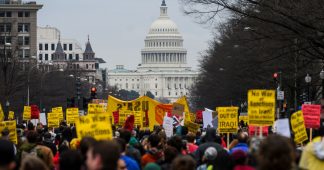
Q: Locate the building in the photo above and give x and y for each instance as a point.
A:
(18, 27)
(163, 70)
(67, 54)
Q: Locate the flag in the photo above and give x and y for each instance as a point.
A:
(129, 123)
(116, 117)
(34, 112)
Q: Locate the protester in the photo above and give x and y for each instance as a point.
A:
(103, 155)
(153, 153)
(70, 160)
(169, 154)
(239, 158)
(30, 162)
(276, 152)
(131, 164)
(313, 155)
(7, 155)
(242, 139)
(33, 148)
(191, 146)
(184, 163)
(208, 159)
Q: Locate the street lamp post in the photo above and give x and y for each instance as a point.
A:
(322, 78)
(308, 80)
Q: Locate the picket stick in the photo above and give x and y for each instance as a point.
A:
(310, 134)
(260, 132)
(228, 140)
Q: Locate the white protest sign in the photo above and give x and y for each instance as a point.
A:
(207, 118)
(42, 118)
(282, 127)
(168, 126)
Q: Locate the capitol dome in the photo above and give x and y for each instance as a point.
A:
(163, 48)
(163, 25)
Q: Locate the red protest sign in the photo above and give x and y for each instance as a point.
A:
(34, 112)
(116, 117)
(312, 115)
(255, 130)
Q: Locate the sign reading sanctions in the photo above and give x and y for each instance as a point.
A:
(97, 126)
(298, 127)
(261, 107)
(227, 119)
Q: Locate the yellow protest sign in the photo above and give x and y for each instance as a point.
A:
(192, 127)
(53, 120)
(227, 119)
(244, 118)
(298, 127)
(97, 126)
(11, 115)
(95, 108)
(11, 126)
(141, 104)
(192, 117)
(27, 113)
(59, 111)
(71, 115)
(261, 107)
(1, 113)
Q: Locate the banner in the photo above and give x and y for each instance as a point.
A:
(27, 113)
(71, 115)
(59, 111)
(97, 126)
(312, 115)
(11, 126)
(2, 116)
(227, 119)
(141, 104)
(138, 117)
(168, 126)
(53, 120)
(11, 115)
(261, 107)
(160, 111)
(298, 127)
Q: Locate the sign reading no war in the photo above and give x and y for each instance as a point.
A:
(261, 107)
(97, 126)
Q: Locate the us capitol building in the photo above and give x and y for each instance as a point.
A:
(163, 70)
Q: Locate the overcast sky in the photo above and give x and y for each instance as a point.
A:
(118, 28)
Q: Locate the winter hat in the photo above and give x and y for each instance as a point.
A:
(152, 166)
(210, 153)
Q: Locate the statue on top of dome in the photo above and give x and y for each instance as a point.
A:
(163, 3)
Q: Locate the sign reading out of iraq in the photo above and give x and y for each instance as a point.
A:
(298, 127)
(227, 119)
(261, 107)
(97, 126)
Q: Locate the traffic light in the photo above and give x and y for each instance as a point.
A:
(275, 77)
(93, 93)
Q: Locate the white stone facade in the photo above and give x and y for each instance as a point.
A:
(47, 38)
(163, 70)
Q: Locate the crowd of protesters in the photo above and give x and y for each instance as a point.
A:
(41, 148)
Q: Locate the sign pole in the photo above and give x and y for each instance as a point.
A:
(260, 132)
(310, 134)
(228, 143)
